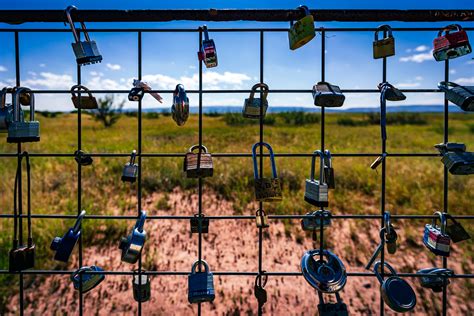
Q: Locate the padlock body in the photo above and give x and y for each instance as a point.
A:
(262, 221)
(459, 163)
(329, 176)
(200, 287)
(314, 223)
(316, 193)
(462, 96)
(89, 281)
(136, 94)
(268, 189)
(141, 290)
(451, 46)
(85, 102)
(132, 246)
(332, 309)
(195, 225)
(434, 282)
(301, 32)
(22, 132)
(252, 108)
(384, 47)
(6, 117)
(64, 246)
(327, 95)
(205, 168)
(437, 242)
(130, 173)
(86, 53)
(208, 53)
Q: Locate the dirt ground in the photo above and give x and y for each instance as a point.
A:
(232, 245)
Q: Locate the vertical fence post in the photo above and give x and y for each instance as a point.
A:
(140, 162)
(200, 179)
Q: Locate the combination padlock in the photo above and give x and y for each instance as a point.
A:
(20, 130)
(384, 47)
(456, 159)
(86, 51)
(395, 291)
(313, 220)
(256, 107)
(82, 158)
(266, 189)
(435, 237)
(6, 110)
(327, 95)
(85, 100)
(85, 282)
(327, 275)
(200, 284)
(180, 107)
(439, 278)
(339, 308)
(65, 245)
(130, 170)
(303, 30)
(316, 191)
(208, 52)
(132, 245)
(451, 45)
(21, 257)
(462, 96)
(199, 224)
(198, 165)
(141, 286)
(261, 219)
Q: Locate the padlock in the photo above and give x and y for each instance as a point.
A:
(86, 51)
(435, 237)
(266, 189)
(65, 245)
(455, 230)
(313, 220)
(451, 45)
(303, 30)
(180, 107)
(259, 290)
(387, 92)
(261, 219)
(332, 309)
(136, 94)
(21, 257)
(391, 235)
(253, 106)
(386, 46)
(395, 291)
(456, 159)
(199, 224)
(130, 170)
(141, 286)
(20, 130)
(145, 87)
(378, 161)
(316, 191)
(326, 275)
(200, 284)
(25, 96)
(437, 280)
(460, 95)
(83, 158)
(388, 236)
(327, 95)
(132, 245)
(198, 165)
(207, 53)
(6, 110)
(329, 170)
(85, 282)
(83, 101)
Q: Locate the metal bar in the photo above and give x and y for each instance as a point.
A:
(139, 151)
(261, 15)
(198, 162)
(261, 134)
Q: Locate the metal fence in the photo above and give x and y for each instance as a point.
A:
(229, 15)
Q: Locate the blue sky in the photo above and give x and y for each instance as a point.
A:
(47, 60)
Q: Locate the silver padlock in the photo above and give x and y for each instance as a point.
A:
(130, 170)
(20, 130)
(252, 105)
(86, 51)
(316, 191)
(6, 110)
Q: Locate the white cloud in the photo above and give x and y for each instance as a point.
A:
(3, 68)
(113, 66)
(42, 65)
(417, 58)
(407, 85)
(464, 81)
(49, 80)
(192, 67)
(421, 48)
(470, 62)
(419, 78)
(452, 71)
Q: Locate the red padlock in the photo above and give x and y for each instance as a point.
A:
(451, 45)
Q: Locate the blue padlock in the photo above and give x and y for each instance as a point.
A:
(64, 246)
(88, 281)
(132, 245)
(200, 284)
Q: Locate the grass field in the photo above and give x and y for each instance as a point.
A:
(414, 185)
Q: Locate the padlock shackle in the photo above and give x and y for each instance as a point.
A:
(78, 88)
(68, 11)
(3, 101)
(442, 272)
(272, 160)
(265, 89)
(388, 224)
(327, 158)
(197, 263)
(205, 31)
(384, 27)
(17, 105)
(304, 9)
(133, 156)
(443, 221)
(261, 279)
(140, 221)
(77, 225)
(194, 147)
(321, 165)
(388, 266)
(450, 27)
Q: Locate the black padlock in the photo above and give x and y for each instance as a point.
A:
(141, 286)
(332, 309)
(329, 170)
(136, 94)
(437, 280)
(455, 230)
(199, 224)
(259, 290)
(82, 158)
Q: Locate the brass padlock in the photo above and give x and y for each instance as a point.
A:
(198, 165)
(266, 189)
(386, 46)
(252, 105)
(302, 31)
(261, 219)
(87, 102)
